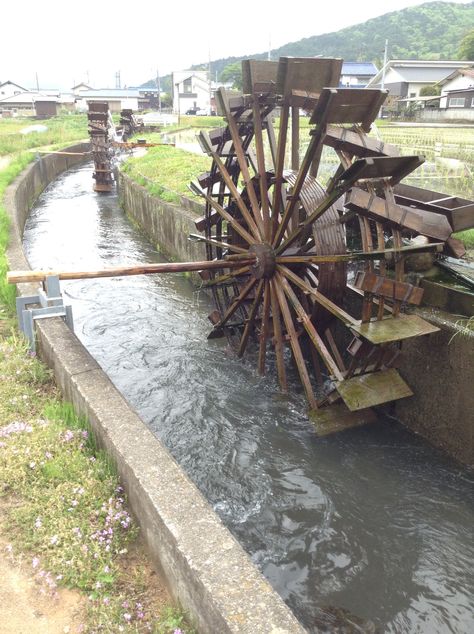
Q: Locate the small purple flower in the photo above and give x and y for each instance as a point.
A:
(34, 562)
(68, 435)
(127, 617)
(54, 540)
(38, 523)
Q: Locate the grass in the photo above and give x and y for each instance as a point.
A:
(61, 130)
(62, 505)
(7, 175)
(66, 510)
(167, 171)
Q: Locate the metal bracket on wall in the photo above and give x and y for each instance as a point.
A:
(50, 299)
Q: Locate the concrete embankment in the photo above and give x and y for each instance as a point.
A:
(439, 368)
(206, 570)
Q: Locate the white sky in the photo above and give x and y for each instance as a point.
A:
(66, 42)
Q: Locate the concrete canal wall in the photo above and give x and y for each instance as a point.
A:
(439, 368)
(206, 570)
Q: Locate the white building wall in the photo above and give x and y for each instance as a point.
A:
(458, 83)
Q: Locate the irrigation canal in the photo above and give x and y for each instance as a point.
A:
(371, 522)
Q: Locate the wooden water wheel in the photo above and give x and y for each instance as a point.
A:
(318, 252)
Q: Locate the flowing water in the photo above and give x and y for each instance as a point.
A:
(366, 529)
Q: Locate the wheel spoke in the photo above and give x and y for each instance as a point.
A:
(310, 329)
(246, 215)
(227, 276)
(262, 352)
(318, 296)
(251, 320)
(236, 302)
(230, 219)
(261, 169)
(295, 346)
(280, 164)
(277, 331)
(217, 243)
(244, 169)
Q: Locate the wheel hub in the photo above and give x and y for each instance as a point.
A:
(264, 261)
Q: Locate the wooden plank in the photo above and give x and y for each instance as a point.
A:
(386, 287)
(459, 211)
(349, 105)
(358, 144)
(428, 224)
(337, 418)
(369, 390)
(394, 168)
(259, 76)
(308, 74)
(18, 277)
(394, 328)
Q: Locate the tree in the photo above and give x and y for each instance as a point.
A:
(233, 73)
(466, 48)
(431, 90)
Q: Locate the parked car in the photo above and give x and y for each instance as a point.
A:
(201, 112)
(191, 111)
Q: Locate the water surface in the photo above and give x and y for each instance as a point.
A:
(371, 522)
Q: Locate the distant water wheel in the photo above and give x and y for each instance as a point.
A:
(264, 203)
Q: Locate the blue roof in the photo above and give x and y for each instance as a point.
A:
(359, 68)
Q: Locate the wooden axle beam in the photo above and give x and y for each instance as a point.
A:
(18, 277)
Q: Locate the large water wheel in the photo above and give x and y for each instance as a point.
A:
(294, 301)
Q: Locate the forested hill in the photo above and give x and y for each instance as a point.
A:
(428, 31)
(432, 30)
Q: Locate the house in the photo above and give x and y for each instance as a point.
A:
(461, 99)
(79, 88)
(191, 91)
(118, 98)
(22, 104)
(406, 77)
(9, 88)
(356, 74)
(46, 107)
(460, 79)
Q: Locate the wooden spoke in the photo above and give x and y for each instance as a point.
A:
(251, 320)
(264, 330)
(279, 166)
(310, 329)
(230, 219)
(318, 296)
(223, 245)
(220, 279)
(278, 338)
(295, 346)
(246, 215)
(244, 169)
(261, 170)
(237, 301)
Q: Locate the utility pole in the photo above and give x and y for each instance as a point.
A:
(384, 64)
(210, 82)
(37, 83)
(269, 55)
(158, 87)
(117, 79)
(382, 84)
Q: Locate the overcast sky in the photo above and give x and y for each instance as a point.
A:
(88, 40)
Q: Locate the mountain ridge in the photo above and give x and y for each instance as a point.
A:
(432, 30)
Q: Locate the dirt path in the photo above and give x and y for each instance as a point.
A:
(24, 610)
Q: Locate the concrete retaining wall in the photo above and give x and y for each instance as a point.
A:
(167, 225)
(438, 368)
(206, 570)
